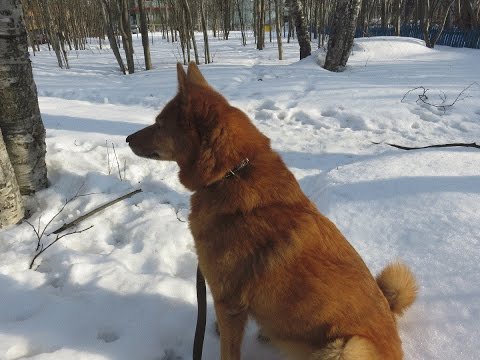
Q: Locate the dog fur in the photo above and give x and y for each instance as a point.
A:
(262, 245)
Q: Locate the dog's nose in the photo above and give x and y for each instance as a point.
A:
(129, 137)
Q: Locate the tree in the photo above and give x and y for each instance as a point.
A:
(278, 14)
(11, 204)
(260, 24)
(20, 120)
(126, 32)
(108, 19)
(144, 31)
(435, 9)
(342, 34)
(190, 32)
(206, 47)
(296, 9)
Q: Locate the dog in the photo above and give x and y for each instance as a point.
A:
(265, 250)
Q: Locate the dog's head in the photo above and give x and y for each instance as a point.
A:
(200, 131)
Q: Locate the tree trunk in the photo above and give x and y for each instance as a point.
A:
(190, 33)
(206, 47)
(144, 31)
(242, 23)
(107, 14)
(430, 12)
(261, 24)
(126, 35)
(278, 14)
(11, 203)
(20, 120)
(342, 34)
(296, 9)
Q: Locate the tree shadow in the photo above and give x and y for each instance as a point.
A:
(68, 123)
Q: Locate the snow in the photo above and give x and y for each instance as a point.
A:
(125, 289)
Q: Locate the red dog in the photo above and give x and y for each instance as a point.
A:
(264, 248)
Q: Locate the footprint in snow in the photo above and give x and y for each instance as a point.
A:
(171, 355)
(107, 335)
(268, 105)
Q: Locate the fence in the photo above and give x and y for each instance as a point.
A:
(450, 37)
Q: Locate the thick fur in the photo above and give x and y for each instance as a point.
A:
(264, 248)
(399, 287)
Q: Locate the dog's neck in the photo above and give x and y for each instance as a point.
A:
(233, 171)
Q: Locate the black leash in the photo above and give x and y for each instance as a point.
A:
(201, 316)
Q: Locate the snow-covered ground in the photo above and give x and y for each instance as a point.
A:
(125, 289)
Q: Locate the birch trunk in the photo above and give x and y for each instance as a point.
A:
(278, 14)
(296, 9)
(107, 14)
(206, 47)
(20, 120)
(11, 204)
(144, 31)
(190, 31)
(126, 31)
(342, 34)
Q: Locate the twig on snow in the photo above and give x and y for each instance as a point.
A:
(423, 97)
(93, 212)
(472, 145)
(58, 237)
(40, 234)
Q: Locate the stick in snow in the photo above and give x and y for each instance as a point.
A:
(473, 145)
(93, 212)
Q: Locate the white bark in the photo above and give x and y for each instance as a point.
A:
(11, 203)
(340, 43)
(20, 120)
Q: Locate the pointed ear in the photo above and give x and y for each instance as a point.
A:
(182, 78)
(194, 76)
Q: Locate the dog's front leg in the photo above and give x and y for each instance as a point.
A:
(231, 323)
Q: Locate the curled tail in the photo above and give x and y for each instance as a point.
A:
(399, 287)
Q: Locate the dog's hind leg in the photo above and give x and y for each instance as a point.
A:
(231, 326)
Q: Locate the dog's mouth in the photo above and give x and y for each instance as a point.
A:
(153, 156)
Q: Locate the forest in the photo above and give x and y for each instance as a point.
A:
(70, 24)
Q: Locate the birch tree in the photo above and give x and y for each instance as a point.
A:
(340, 43)
(297, 11)
(11, 204)
(144, 31)
(20, 120)
(278, 30)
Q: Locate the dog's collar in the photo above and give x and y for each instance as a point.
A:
(233, 172)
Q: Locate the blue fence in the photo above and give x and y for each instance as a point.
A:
(450, 37)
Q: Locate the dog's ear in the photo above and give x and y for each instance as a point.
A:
(182, 77)
(194, 76)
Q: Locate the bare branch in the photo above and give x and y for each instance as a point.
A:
(423, 97)
(93, 212)
(472, 145)
(118, 163)
(58, 237)
(178, 217)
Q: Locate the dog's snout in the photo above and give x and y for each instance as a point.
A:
(129, 137)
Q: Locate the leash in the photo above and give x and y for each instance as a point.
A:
(202, 290)
(201, 316)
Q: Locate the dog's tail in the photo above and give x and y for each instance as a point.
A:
(399, 286)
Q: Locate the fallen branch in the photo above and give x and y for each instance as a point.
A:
(93, 212)
(472, 145)
(58, 237)
(443, 105)
(41, 249)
